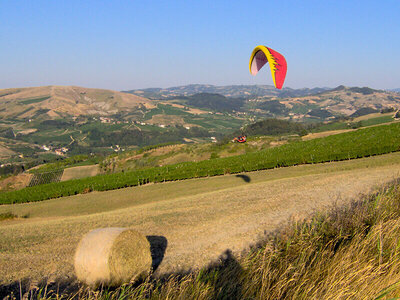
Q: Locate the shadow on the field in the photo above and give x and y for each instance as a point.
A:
(244, 177)
(28, 289)
(224, 276)
(158, 245)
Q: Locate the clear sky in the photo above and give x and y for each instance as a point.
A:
(124, 45)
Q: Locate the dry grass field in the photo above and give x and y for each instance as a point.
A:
(316, 135)
(5, 152)
(15, 182)
(80, 172)
(370, 116)
(199, 218)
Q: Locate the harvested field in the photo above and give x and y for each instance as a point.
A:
(15, 182)
(80, 172)
(316, 135)
(371, 116)
(194, 111)
(5, 152)
(199, 218)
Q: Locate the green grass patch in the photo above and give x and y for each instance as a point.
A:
(151, 147)
(7, 216)
(164, 109)
(350, 145)
(333, 126)
(73, 161)
(34, 100)
(351, 124)
(376, 121)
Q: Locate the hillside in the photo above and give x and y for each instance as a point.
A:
(37, 123)
(55, 102)
(200, 219)
(52, 102)
(236, 91)
(257, 102)
(341, 101)
(365, 142)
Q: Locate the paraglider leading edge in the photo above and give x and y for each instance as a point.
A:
(277, 63)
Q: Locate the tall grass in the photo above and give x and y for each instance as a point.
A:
(350, 252)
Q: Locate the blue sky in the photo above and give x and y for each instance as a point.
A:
(138, 44)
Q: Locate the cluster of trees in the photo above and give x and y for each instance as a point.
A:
(320, 113)
(363, 90)
(16, 168)
(273, 127)
(59, 124)
(126, 137)
(273, 106)
(7, 133)
(363, 111)
(215, 102)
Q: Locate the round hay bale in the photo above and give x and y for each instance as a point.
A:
(112, 256)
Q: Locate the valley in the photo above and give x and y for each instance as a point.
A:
(167, 167)
(45, 124)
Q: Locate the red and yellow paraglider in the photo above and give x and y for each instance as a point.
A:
(261, 55)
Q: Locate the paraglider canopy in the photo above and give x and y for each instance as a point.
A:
(240, 139)
(277, 63)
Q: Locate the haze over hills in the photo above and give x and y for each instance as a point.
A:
(52, 102)
(55, 102)
(236, 91)
(267, 101)
(323, 104)
(340, 101)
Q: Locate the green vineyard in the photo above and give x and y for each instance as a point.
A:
(356, 144)
(46, 177)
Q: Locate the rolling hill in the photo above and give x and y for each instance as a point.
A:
(36, 122)
(52, 102)
(317, 104)
(250, 91)
(341, 101)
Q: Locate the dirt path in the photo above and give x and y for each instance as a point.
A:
(198, 226)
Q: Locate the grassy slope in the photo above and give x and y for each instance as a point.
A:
(200, 218)
(360, 143)
(122, 198)
(346, 253)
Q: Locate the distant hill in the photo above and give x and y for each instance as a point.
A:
(51, 102)
(236, 91)
(340, 101)
(215, 102)
(318, 104)
(35, 123)
(323, 105)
